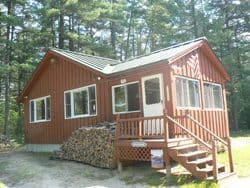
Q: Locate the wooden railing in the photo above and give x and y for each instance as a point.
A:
(157, 127)
(154, 127)
(213, 147)
(216, 138)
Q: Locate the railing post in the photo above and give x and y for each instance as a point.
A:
(117, 119)
(117, 135)
(230, 155)
(140, 129)
(165, 122)
(214, 154)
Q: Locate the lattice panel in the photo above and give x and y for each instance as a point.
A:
(137, 154)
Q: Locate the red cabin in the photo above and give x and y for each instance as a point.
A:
(163, 99)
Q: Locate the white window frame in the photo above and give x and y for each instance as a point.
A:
(73, 116)
(126, 98)
(189, 107)
(35, 109)
(222, 98)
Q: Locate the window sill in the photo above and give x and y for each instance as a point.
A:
(214, 109)
(40, 121)
(188, 108)
(80, 116)
(127, 112)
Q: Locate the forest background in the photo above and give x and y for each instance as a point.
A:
(119, 29)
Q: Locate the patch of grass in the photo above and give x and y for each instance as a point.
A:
(157, 179)
(241, 153)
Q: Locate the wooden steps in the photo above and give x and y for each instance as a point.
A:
(197, 161)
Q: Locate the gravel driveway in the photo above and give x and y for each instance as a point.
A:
(23, 169)
(20, 169)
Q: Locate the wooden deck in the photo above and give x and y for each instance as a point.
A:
(136, 137)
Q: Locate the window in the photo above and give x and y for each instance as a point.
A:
(80, 102)
(40, 109)
(187, 92)
(126, 98)
(213, 95)
(152, 91)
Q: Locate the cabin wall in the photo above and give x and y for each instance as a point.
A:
(62, 75)
(55, 78)
(215, 120)
(136, 75)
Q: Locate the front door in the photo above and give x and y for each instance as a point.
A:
(153, 104)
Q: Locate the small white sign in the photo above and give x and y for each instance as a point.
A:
(138, 144)
(123, 81)
(157, 158)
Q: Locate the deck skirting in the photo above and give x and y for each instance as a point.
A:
(42, 147)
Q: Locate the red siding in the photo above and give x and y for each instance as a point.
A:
(55, 78)
(215, 120)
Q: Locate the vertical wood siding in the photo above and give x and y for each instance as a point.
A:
(215, 120)
(55, 78)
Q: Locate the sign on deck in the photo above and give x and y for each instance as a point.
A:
(138, 144)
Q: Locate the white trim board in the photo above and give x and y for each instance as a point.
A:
(42, 147)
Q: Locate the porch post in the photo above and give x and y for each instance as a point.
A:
(117, 136)
(165, 125)
(166, 156)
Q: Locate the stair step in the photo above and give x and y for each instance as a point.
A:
(210, 168)
(180, 142)
(201, 161)
(222, 175)
(185, 147)
(193, 153)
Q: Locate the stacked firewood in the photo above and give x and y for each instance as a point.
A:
(4, 140)
(5, 143)
(91, 145)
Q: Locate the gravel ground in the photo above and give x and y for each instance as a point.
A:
(30, 170)
(20, 169)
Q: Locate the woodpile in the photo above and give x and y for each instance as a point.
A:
(5, 143)
(91, 145)
(4, 140)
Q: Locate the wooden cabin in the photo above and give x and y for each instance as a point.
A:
(169, 99)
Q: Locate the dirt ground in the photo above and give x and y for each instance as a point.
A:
(30, 170)
(20, 169)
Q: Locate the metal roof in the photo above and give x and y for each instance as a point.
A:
(111, 66)
(95, 62)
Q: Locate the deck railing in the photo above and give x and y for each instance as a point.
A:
(226, 143)
(154, 127)
(213, 147)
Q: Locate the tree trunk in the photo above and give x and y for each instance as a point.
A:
(20, 117)
(113, 38)
(61, 27)
(71, 29)
(128, 36)
(195, 29)
(112, 27)
(234, 109)
(9, 37)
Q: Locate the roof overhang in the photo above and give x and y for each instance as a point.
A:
(49, 55)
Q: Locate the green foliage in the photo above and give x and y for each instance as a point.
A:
(159, 179)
